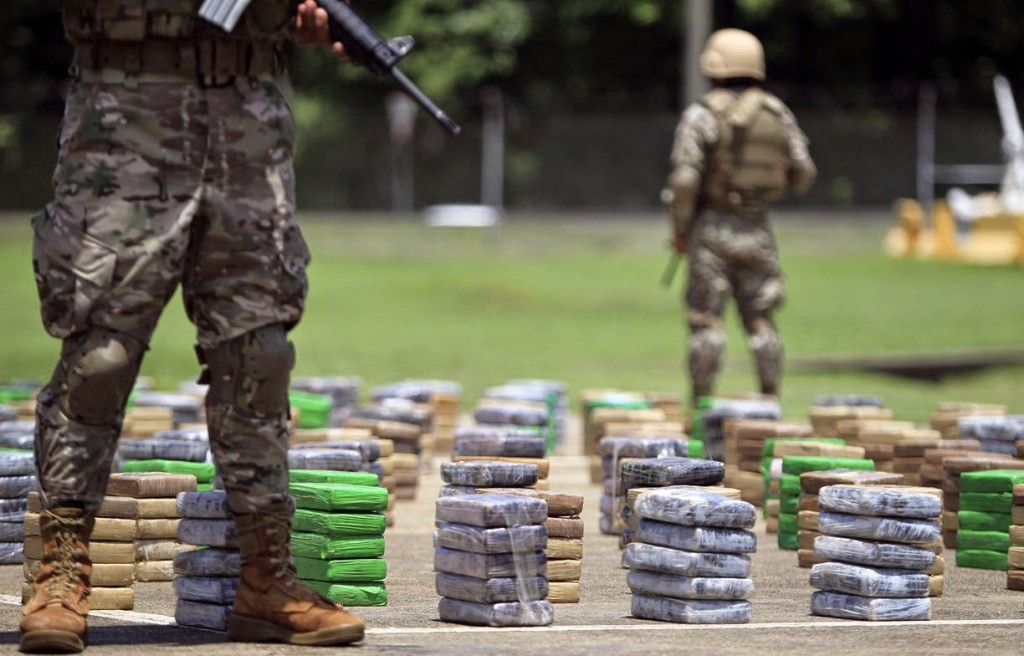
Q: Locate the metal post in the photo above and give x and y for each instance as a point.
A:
(492, 171)
(695, 30)
(926, 147)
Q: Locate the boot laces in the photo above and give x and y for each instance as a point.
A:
(67, 569)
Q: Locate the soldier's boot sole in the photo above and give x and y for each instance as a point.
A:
(250, 629)
(51, 642)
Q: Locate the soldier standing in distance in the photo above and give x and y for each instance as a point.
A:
(736, 151)
(174, 166)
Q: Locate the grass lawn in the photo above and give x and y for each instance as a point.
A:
(578, 299)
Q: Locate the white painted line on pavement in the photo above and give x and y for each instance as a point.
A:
(128, 616)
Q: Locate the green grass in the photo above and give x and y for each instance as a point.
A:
(579, 300)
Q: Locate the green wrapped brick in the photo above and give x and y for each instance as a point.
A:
(336, 524)
(789, 486)
(338, 497)
(314, 409)
(984, 540)
(334, 477)
(313, 545)
(769, 445)
(788, 541)
(993, 480)
(797, 465)
(787, 523)
(355, 570)
(789, 505)
(982, 559)
(203, 471)
(352, 594)
(995, 502)
(695, 448)
(204, 487)
(975, 520)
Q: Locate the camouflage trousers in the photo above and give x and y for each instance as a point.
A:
(732, 256)
(159, 185)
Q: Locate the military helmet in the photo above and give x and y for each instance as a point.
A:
(732, 53)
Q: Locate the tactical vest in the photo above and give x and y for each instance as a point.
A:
(748, 166)
(168, 36)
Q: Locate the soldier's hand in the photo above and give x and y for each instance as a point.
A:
(679, 244)
(311, 28)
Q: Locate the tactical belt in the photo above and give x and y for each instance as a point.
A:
(208, 61)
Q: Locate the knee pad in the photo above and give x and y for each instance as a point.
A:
(251, 373)
(100, 367)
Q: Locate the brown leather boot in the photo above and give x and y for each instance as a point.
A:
(53, 621)
(271, 604)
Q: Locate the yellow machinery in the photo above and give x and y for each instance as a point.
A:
(990, 239)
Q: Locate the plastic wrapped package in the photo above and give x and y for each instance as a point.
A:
(685, 563)
(492, 510)
(458, 490)
(855, 400)
(532, 613)
(524, 446)
(9, 508)
(11, 553)
(207, 589)
(369, 449)
(855, 607)
(995, 502)
(813, 481)
(159, 549)
(1004, 428)
(660, 472)
(358, 570)
(203, 471)
(16, 487)
(203, 505)
(339, 524)
(332, 459)
(376, 468)
(490, 591)
(875, 554)
(13, 439)
(474, 539)
(984, 540)
(160, 449)
(884, 529)
(338, 497)
(313, 545)
(208, 562)
(982, 559)
(974, 520)
(208, 532)
(643, 447)
(12, 531)
(684, 611)
(696, 538)
(213, 617)
(489, 566)
(658, 584)
(334, 477)
(511, 414)
(869, 581)
(352, 594)
(560, 504)
(17, 463)
(482, 473)
(694, 508)
(184, 435)
(881, 501)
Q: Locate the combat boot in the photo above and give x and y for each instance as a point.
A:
(271, 604)
(53, 621)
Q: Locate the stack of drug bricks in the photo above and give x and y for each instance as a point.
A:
(338, 535)
(608, 411)
(878, 543)
(342, 390)
(133, 538)
(503, 444)
(985, 517)
(1015, 557)
(632, 520)
(181, 451)
(489, 554)
(879, 439)
(826, 416)
(713, 418)
(558, 401)
(441, 395)
(771, 470)
(807, 517)
(17, 479)
(615, 450)
(206, 578)
(377, 455)
(744, 449)
(790, 488)
(995, 434)
(403, 422)
(644, 474)
(153, 412)
(689, 562)
(947, 415)
(954, 466)
(529, 396)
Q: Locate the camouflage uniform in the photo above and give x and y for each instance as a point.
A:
(735, 152)
(174, 166)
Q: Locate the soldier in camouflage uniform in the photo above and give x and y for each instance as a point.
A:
(174, 167)
(736, 152)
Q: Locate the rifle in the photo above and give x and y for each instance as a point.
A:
(364, 46)
(670, 270)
